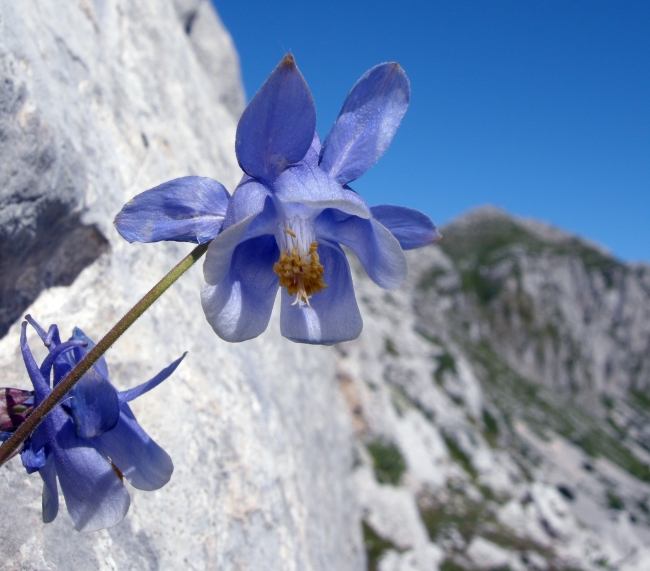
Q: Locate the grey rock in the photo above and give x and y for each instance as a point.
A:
(510, 460)
(561, 311)
(214, 51)
(100, 101)
(216, 54)
(43, 241)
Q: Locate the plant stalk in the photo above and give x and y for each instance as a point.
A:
(13, 444)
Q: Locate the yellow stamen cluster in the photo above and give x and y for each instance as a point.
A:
(301, 275)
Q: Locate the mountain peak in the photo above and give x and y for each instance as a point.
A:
(489, 228)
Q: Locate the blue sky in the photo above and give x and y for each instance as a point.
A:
(539, 107)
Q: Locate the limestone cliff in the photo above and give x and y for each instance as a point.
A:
(99, 101)
(500, 404)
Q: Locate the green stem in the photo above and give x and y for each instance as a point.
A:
(9, 448)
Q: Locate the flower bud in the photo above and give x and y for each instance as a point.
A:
(15, 406)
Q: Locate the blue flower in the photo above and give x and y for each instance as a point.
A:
(293, 210)
(91, 441)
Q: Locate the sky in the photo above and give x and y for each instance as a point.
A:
(539, 107)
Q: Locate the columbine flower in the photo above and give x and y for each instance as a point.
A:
(92, 440)
(293, 210)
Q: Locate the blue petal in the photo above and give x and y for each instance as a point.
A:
(100, 365)
(40, 437)
(307, 184)
(94, 494)
(50, 338)
(334, 315)
(251, 214)
(239, 307)
(144, 464)
(56, 352)
(188, 209)
(62, 367)
(50, 499)
(5, 436)
(94, 405)
(248, 200)
(367, 122)
(377, 249)
(412, 228)
(33, 459)
(64, 363)
(135, 392)
(41, 386)
(313, 154)
(41, 332)
(277, 127)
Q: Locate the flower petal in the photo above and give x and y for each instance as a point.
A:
(33, 459)
(50, 498)
(41, 386)
(307, 184)
(377, 249)
(334, 315)
(251, 213)
(187, 209)
(52, 338)
(94, 405)
(100, 365)
(239, 307)
(367, 122)
(277, 127)
(144, 464)
(135, 392)
(55, 353)
(248, 200)
(41, 332)
(313, 154)
(39, 438)
(94, 494)
(412, 228)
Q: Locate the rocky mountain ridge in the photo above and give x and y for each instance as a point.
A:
(514, 453)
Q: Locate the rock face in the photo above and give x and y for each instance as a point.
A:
(494, 413)
(99, 101)
(561, 312)
(486, 413)
(81, 117)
